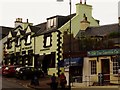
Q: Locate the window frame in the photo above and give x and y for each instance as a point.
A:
(26, 37)
(51, 23)
(93, 68)
(115, 65)
(9, 43)
(17, 40)
(45, 40)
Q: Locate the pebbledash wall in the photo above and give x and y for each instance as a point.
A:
(82, 11)
(47, 40)
(80, 21)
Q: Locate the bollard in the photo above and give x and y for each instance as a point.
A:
(100, 79)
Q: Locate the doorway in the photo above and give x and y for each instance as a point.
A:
(105, 69)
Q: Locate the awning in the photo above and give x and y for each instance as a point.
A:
(73, 62)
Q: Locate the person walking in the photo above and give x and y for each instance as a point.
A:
(54, 83)
(63, 80)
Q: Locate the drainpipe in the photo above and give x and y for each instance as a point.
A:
(34, 52)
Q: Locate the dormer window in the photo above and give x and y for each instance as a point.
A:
(47, 40)
(51, 23)
(28, 39)
(18, 41)
(9, 44)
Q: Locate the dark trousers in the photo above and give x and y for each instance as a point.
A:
(54, 85)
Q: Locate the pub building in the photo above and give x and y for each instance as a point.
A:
(20, 44)
(47, 45)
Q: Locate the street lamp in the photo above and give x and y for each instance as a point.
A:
(69, 44)
(70, 47)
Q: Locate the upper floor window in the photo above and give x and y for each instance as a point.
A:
(9, 44)
(17, 41)
(28, 39)
(47, 40)
(51, 23)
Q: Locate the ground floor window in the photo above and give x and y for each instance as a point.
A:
(93, 67)
(76, 73)
(115, 65)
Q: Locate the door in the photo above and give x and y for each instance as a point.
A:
(105, 67)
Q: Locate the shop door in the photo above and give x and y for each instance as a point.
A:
(105, 67)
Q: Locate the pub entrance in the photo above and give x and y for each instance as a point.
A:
(105, 69)
(48, 62)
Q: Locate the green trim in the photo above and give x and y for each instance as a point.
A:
(103, 52)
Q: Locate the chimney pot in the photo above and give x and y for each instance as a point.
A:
(27, 20)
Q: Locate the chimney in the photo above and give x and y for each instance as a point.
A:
(80, 1)
(18, 22)
(27, 21)
(85, 2)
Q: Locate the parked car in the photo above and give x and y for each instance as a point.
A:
(28, 72)
(2, 68)
(10, 70)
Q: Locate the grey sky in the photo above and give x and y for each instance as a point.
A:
(38, 10)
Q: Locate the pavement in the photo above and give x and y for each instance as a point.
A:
(44, 85)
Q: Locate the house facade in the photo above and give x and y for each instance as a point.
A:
(94, 49)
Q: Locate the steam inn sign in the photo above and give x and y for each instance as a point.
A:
(104, 52)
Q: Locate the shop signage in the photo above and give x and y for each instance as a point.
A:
(73, 62)
(103, 52)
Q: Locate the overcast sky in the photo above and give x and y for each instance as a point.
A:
(38, 10)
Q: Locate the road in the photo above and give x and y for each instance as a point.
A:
(7, 85)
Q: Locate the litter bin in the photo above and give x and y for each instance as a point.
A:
(100, 79)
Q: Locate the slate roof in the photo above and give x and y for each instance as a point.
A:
(100, 30)
(4, 31)
(42, 28)
(61, 21)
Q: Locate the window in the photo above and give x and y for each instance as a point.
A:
(9, 44)
(51, 23)
(93, 67)
(18, 41)
(47, 40)
(28, 39)
(115, 66)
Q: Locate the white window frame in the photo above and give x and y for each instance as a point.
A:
(115, 66)
(51, 23)
(48, 41)
(28, 39)
(18, 41)
(93, 64)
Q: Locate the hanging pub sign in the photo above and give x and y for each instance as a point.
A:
(103, 52)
